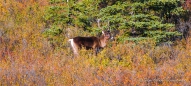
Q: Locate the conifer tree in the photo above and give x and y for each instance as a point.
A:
(139, 19)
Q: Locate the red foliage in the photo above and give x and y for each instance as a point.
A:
(187, 5)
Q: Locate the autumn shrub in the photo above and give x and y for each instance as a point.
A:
(27, 57)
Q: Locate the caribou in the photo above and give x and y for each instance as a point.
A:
(93, 42)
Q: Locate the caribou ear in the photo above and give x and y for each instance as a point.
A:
(103, 32)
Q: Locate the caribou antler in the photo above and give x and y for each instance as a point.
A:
(98, 23)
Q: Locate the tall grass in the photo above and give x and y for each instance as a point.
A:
(27, 58)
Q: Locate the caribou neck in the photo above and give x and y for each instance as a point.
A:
(102, 41)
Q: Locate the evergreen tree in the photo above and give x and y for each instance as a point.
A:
(144, 19)
(139, 19)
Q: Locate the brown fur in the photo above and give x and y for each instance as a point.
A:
(91, 42)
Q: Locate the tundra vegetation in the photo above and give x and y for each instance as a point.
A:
(152, 45)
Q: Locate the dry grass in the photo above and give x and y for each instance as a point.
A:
(27, 58)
